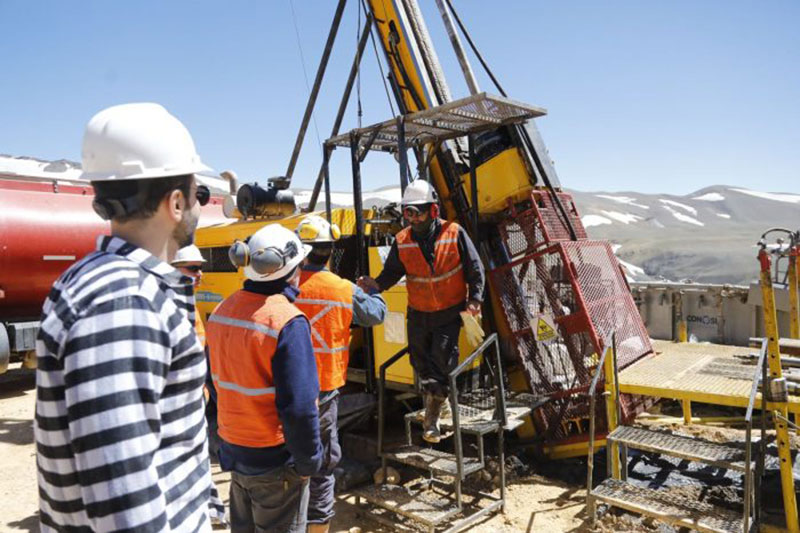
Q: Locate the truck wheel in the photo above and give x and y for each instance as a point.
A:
(5, 349)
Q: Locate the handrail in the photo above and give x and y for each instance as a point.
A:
(458, 370)
(381, 393)
(607, 344)
(748, 472)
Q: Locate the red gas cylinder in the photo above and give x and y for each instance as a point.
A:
(45, 226)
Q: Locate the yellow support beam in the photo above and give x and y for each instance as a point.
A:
(611, 407)
(794, 312)
(774, 360)
(686, 405)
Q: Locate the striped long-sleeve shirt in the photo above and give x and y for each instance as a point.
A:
(120, 430)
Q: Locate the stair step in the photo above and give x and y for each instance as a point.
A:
(672, 509)
(435, 461)
(690, 448)
(475, 421)
(425, 506)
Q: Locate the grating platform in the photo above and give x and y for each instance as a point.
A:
(690, 448)
(688, 371)
(475, 421)
(436, 461)
(675, 510)
(426, 506)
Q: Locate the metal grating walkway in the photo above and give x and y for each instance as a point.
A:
(433, 460)
(425, 506)
(688, 371)
(676, 510)
(690, 448)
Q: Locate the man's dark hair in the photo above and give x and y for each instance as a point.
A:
(320, 253)
(142, 197)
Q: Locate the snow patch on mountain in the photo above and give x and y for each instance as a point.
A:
(710, 197)
(683, 218)
(723, 215)
(594, 220)
(623, 200)
(777, 197)
(688, 208)
(625, 218)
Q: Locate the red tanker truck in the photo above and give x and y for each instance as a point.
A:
(45, 226)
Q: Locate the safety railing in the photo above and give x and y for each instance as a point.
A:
(752, 497)
(608, 346)
(499, 412)
(381, 401)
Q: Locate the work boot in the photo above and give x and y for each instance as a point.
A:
(430, 425)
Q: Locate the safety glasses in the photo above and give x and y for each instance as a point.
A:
(412, 211)
(203, 195)
(194, 268)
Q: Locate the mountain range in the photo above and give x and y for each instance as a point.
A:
(708, 236)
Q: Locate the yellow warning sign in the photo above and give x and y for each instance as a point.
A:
(544, 328)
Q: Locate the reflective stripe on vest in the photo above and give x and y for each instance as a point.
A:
(242, 335)
(327, 301)
(436, 287)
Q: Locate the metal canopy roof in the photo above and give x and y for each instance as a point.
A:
(474, 114)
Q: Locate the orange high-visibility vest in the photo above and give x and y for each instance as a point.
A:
(242, 336)
(440, 287)
(327, 301)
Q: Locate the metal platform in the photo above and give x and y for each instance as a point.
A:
(690, 448)
(475, 421)
(673, 509)
(425, 506)
(688, 371)
(476, 113)
(435, 461)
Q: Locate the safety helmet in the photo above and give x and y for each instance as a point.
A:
(419, 192)
(137, 141)
(315, 229)
(188, 254)
(271, 253)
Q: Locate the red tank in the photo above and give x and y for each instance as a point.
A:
(44, 228)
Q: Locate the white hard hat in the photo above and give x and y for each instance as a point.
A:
(271, 253)
(315, 229)
(137, 141)
(188, 254)
(419, 192)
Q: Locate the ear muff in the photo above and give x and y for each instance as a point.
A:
(239, 254)
(434, 211)
(109, 208)
(267, 260)
(335, 232)
(307, 232)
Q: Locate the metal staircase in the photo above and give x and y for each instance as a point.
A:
(672, 508)
(480, 406)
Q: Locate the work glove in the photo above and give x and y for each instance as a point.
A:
(472, 328)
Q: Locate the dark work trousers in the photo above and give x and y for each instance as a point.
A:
(273, 502)
(433, 345)
(320, 501)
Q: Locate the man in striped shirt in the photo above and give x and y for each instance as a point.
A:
(120, 428)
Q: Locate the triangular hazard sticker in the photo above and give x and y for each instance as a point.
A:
(544, 328)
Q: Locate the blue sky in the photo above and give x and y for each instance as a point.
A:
(646, 96)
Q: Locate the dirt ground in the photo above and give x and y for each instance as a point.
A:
(535, 503)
